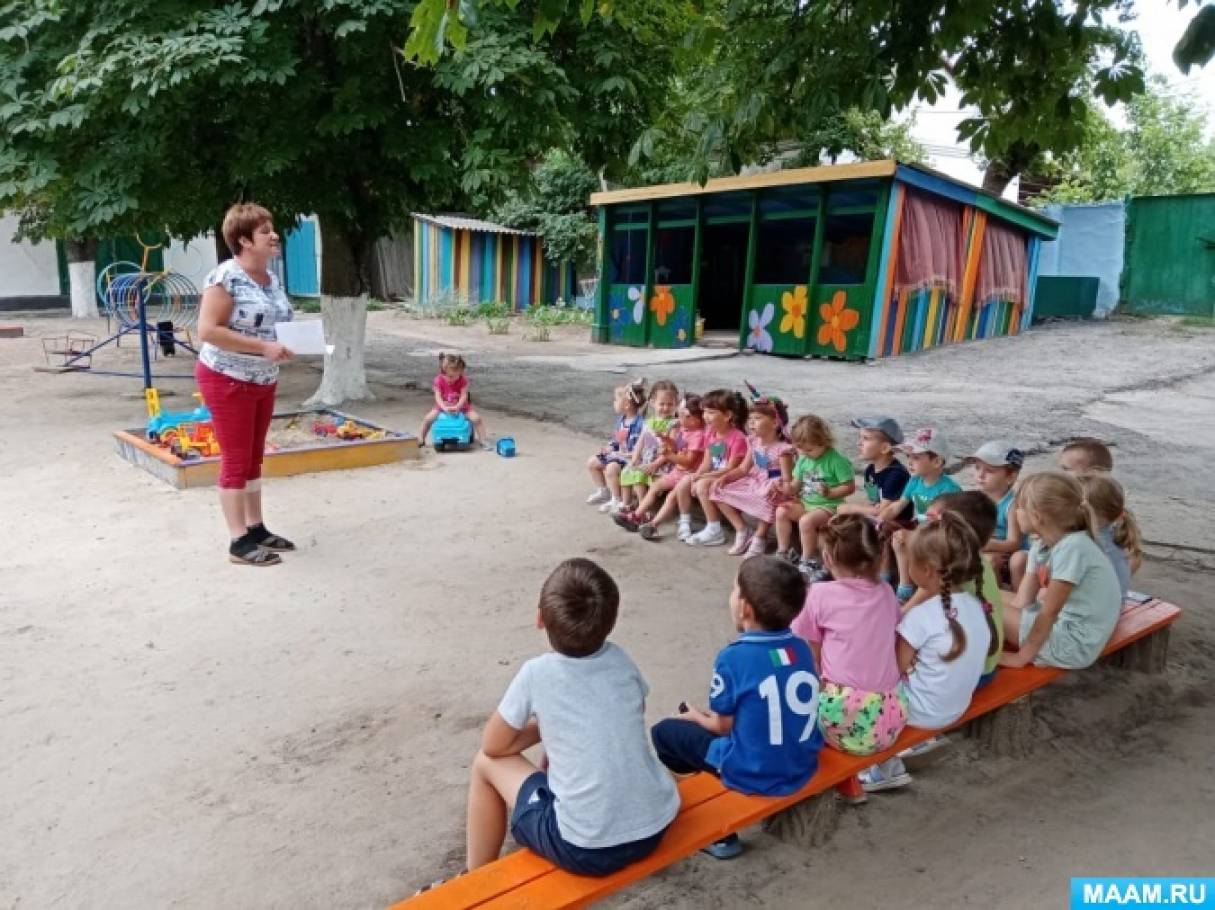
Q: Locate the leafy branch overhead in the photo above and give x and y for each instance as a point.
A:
(760, 74)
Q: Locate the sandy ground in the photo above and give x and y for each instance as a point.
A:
(181, 732)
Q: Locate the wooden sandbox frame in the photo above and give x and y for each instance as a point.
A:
(133, 446)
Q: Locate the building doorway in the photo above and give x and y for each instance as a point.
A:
(723, 274)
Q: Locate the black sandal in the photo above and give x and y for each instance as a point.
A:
(268, 540)
(257, 557)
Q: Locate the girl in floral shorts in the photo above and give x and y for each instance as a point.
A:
(850, 624)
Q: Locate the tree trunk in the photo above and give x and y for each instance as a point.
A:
(222, 253)
(344, 286)
(997, 178)
(82, 276)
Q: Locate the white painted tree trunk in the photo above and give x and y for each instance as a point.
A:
(81, 285)
(345, 376)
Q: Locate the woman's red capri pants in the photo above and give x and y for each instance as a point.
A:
(240, 413)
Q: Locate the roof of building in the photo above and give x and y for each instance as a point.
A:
(465, 223)
(916, 174)
(791, 177)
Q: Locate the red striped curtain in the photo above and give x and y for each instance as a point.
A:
(1002, 269)
(931, 245)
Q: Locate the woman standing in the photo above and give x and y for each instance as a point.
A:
(237, 373)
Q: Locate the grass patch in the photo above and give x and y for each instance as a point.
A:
(313, 305)
(553, 315)
(1198, 322)
(498, 325)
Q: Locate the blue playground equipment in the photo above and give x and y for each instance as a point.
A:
(451, 431)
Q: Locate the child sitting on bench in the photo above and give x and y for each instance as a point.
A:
(944, 640)
(685, 450)
(1117, 531)
(1070, 600)
(605, 800)
(997, 465)
(850, 625)
(760, 733)
(628, 401)
(649, 459)
(1085, 455)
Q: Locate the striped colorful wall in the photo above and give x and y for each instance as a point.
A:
(915, 320)
(484, 267)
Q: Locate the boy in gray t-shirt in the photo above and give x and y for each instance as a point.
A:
(605, 800)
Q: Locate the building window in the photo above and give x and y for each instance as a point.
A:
(628, 256)
(673, 255)
(783, 250)
(845, 249)
(728, 205)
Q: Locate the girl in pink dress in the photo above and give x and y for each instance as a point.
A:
(757, 485)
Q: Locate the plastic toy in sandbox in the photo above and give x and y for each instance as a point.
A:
(452, 432)
(186, 434)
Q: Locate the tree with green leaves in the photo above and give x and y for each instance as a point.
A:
(554, 204)
(766, 72)
(126, 115)
(865, 134)
(1162, 150)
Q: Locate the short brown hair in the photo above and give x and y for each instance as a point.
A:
(811, 430)
(578, 603)
(775, 590)
(240, 221)
(852, 543)
(974, 507)
(1096, 451)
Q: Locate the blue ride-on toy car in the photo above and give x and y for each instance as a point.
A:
(451, 432)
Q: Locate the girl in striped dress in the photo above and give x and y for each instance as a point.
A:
(762, 481)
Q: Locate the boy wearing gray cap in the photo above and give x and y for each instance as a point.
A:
(885, 476)
(997, 465)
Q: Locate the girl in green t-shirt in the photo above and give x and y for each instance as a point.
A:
(822, 480)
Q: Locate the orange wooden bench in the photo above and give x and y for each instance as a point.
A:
(710, 811)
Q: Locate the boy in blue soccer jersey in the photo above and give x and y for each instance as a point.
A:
(760, 734)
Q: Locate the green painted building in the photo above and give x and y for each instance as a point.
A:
(859, 260)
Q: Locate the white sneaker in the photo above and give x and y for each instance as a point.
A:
(611, 507)
(889, 775)
(685, 531)
(923, 754)
(928, 745)
(707, 537)
(599, 497)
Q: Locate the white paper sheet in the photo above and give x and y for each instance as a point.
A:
(303, 339)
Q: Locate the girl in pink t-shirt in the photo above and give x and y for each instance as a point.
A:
(756, 486)
(451, 396)
(725, 449)
(684, 450)
(851, 625)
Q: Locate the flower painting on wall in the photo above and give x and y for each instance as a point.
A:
(795, 305)
(758, 336)
(637, 296)
(838, 321)
(662, 304)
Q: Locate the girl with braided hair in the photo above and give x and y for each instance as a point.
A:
(942, 642)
